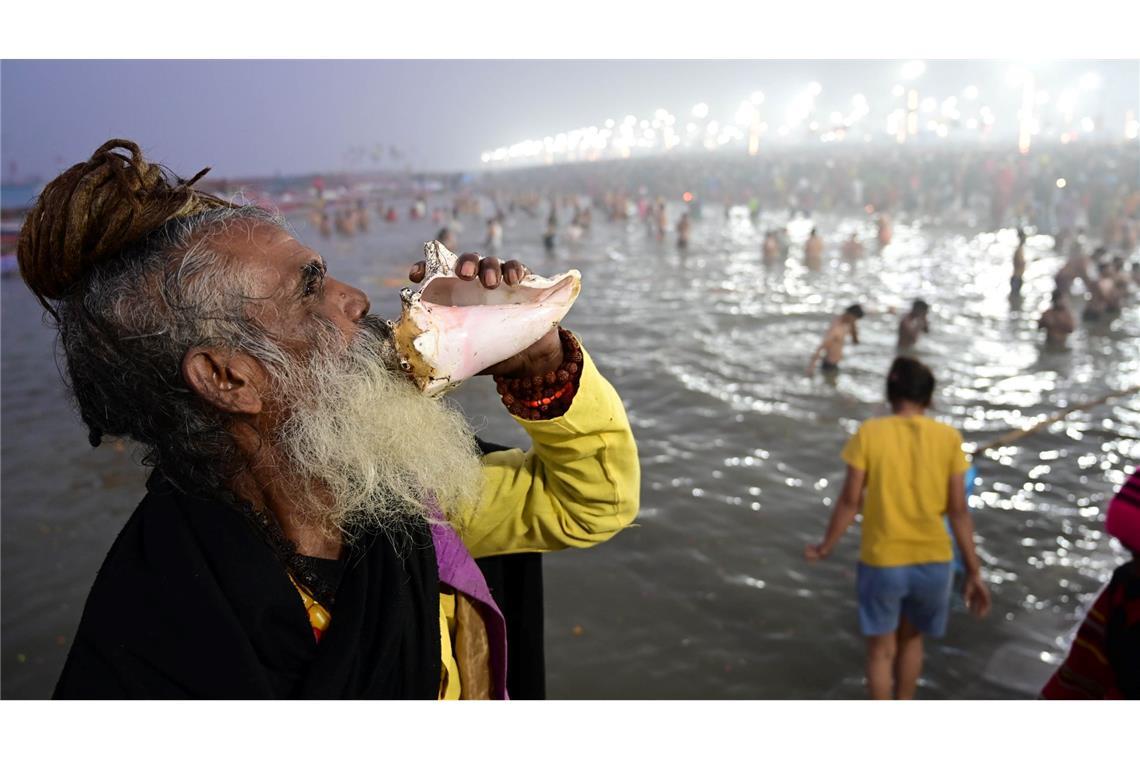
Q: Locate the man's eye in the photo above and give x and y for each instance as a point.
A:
(314, 278)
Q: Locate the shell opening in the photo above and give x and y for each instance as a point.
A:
(451, 291)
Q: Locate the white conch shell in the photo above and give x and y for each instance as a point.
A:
(452, 329)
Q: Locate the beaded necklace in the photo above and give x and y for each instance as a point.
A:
(316, 595)
(319, 617)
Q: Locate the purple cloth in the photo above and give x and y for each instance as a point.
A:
(457, 569)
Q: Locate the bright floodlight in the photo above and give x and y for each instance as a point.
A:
(971, 92)
(1090, 81)
(1061, 182)
(1087, 124)
(898, 90)
(912, 70)
(701, 110)
(815, 88)
(757, 98)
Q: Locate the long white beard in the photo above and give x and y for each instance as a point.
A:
(371, 451)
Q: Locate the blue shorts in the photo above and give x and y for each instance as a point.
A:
(920, 592)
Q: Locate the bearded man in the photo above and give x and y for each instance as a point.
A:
(311, 520)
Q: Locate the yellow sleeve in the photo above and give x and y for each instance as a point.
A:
(958, 462)
(853, 453)
(578, 485)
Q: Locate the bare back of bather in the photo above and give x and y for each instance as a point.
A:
(831, 347)
(813, 251)
(1057, 322)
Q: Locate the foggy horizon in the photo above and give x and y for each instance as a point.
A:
(263, 118)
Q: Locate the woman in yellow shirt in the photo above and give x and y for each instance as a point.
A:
(905, 472)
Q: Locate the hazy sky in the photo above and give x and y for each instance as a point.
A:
(262, 117)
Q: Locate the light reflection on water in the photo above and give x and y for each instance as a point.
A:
(708, 595)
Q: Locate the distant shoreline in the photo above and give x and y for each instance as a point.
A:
(17, 198)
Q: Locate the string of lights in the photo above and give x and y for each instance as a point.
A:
(907, 115)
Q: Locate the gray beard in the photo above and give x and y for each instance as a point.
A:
(367, 449)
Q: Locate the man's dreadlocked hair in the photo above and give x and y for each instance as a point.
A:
(120, 252)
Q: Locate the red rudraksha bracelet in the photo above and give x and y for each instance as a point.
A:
(546, 396)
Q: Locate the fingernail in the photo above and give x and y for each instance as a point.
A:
(467, 268)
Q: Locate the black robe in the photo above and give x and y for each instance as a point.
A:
(192, 602)
(515, 581)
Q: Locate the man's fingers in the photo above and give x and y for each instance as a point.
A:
(514, 271)
(489, 273)
(468, 266)
(419, 269)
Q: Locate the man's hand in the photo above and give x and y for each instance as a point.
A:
(976, 595)
(542, 356)
(814, 552)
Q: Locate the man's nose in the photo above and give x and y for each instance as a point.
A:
(353, 302)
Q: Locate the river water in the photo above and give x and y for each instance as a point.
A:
(708, 596)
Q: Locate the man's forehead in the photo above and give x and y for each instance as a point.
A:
(265, 246)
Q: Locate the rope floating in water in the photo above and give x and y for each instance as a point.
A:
(1017, 435)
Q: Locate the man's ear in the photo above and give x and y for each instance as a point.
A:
(224, 379)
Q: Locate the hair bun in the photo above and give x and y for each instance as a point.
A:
(94, 210)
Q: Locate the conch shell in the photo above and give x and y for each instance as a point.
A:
(452, 329)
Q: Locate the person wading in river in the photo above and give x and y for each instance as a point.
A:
(831, 348)
(1057, 321)
(813, 251)
(311, 519)
(913, 324)
(1018, 265)
(905, 473)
